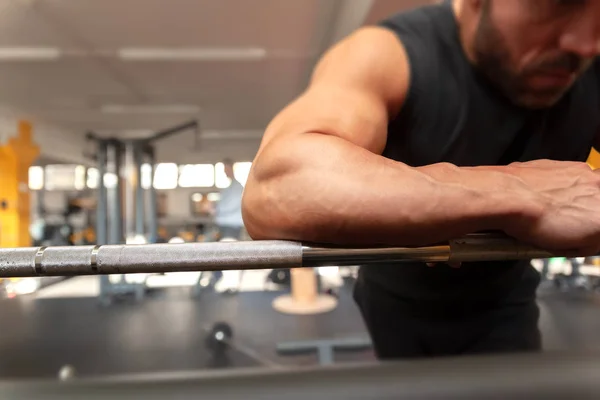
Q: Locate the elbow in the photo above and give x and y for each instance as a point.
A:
(269, 204)
(261, 211)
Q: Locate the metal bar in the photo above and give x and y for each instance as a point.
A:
(40, 206)
(102, 210)
(101, 206)
(139, 191)
(153, 258)
(152, 208)
(171, 131)
(115, 214)
(516, 377)
(475, 247)
(130, 178)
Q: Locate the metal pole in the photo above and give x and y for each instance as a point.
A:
(218, 256)
(129, 177)
(171, 131)
(152, 209)
(101, 206)
(102, 210)
(115, 233)
(118, 216)
(139, 191)
(40, 206)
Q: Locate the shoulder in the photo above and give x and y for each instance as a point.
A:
(429, 25)
(417, 20)
(430, 38)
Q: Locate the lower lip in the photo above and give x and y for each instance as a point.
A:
(552, 80)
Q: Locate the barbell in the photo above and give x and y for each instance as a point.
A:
(247, 255)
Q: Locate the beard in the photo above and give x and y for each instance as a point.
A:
(494, 61)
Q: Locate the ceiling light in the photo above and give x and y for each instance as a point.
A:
(151, 109)
(29, 53)
(192, 54)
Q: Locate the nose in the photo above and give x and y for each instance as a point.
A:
(582, 36)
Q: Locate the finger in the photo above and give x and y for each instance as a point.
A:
(431, 265)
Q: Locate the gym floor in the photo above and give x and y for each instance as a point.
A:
(165, 331)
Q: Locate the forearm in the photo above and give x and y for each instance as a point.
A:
(328, 190)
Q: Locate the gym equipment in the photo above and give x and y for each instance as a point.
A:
(66, 373)
(281, 277)
(217, 256)
(110, 154)
(219, 340)
(515, 377)
(219, 337)
(304, 297)
(223, 280)
(325, 348)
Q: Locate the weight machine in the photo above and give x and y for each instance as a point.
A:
(123, 160)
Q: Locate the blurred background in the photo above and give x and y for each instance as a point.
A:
(131, 121)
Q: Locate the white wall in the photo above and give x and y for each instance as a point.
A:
(55, 202)
(56, 143)
(60, 144)
(178, 202)
(181, 149)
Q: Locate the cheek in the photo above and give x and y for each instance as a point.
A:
(525, 40)
(527, 46)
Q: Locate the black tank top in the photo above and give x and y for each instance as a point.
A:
(453, 115)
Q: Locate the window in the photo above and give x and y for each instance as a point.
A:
(110, 180)
(92, 178)
(165, 176)
(197, 175)
(61, 177)
(80, 177)
(197, 197)
(146, 172)
(213, 197)
(36, 178)
(221, 180)
(241, 170)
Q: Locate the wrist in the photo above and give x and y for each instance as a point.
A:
(521, 204)
(485, 198)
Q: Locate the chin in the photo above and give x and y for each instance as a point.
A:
(538, 101)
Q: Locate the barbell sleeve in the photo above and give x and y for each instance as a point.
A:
(245, 255)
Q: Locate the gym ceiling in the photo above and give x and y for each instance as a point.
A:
(127, 68)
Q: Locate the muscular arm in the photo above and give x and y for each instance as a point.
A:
(319, 174)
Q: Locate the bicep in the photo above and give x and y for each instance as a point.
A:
(329, 110)
(355, 90)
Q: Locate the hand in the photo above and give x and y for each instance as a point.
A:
(566, 196)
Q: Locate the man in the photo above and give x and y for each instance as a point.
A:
(228, 220)
(228, 211)
(450, 119)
